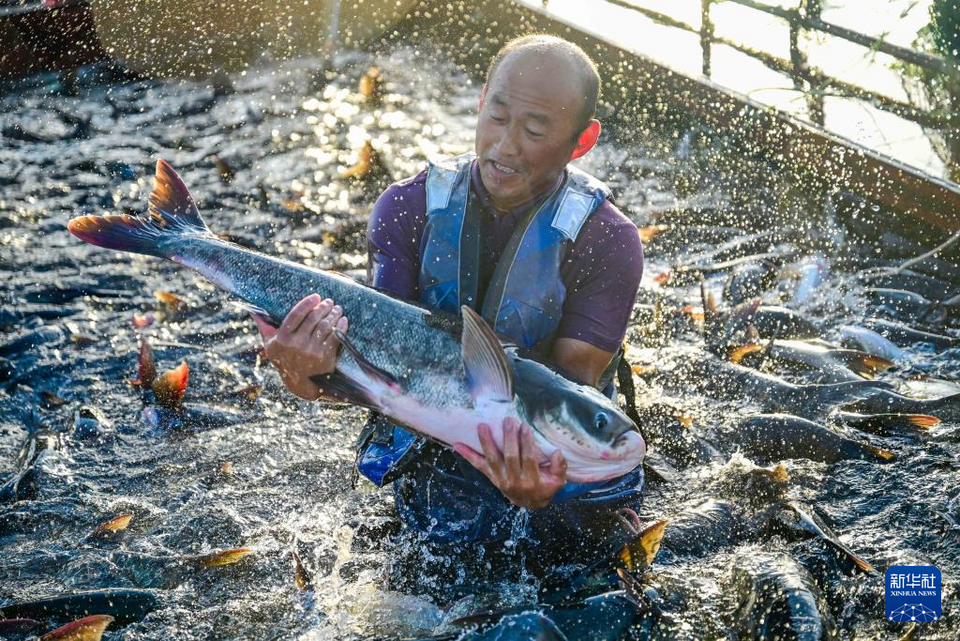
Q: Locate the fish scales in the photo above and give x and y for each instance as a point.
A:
(392, 335)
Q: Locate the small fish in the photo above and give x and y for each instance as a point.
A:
(779, 436)
(888, 424)
(22, 483)
(143, 321)
(791, 517)
(871, 342)
(945, 408)
(811, 274)
(831, 364)
(52, 400)
(45, 336)
(368, 163)
(223, 169)
(169, 387)
(220, 558)
(89, 628)
(190, 417)
(750, 280)
(123, 604)
(905, 335)
(89, 424)
(704, 529)
(171, 302)
(17, 627)
(112, 527)
(773, 597)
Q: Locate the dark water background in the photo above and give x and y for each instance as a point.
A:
(285, 136)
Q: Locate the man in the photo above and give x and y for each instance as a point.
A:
(539, 250)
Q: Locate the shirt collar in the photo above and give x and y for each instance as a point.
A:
(487, 202)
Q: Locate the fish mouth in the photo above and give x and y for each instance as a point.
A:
(591, 461)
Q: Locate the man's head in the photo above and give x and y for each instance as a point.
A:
(536, 114)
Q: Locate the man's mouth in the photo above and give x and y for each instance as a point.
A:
(503, 168)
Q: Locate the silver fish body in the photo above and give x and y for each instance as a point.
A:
(427, 370)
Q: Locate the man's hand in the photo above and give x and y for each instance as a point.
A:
(516, 471)
(304, 345)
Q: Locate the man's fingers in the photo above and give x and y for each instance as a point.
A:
(511, 449)
(326, 320)
(531, 453)
(474, 457)
(558, 465)
(491, 452)
(298, 314)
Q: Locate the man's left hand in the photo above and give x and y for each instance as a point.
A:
(516, 471)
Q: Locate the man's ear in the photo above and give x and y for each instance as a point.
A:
(586, 140)
(483, 94)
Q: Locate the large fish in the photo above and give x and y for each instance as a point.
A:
(422, 368)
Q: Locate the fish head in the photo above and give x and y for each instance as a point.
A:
(597, 439)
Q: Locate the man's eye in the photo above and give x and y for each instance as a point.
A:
(497, 118)
(534, 134)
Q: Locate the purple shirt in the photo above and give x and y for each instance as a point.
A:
(601, 271)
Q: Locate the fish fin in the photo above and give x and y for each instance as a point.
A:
(377, 374)
(637, 555)
(337, 386)
(923, 421)
(169, 387)
(301, 575)
(885, 455)
(485, 363)
(860, 362)
(860, 563)
(171, 205)
(257, 311)
(89, 628)
(737, 353)
(172, 212)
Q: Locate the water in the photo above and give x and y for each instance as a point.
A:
(284, 137)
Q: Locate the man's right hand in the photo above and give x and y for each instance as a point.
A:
(304, 345)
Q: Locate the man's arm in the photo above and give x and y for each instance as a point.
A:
(305, 344)
(581, 361)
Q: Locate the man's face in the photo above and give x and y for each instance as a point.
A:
(527, 126)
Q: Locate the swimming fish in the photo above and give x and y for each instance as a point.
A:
(426, 370)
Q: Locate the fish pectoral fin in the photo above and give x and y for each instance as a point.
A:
(338, 387)
(379, 375)
(257, 311)
(489, 373)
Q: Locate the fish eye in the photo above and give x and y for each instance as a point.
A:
(601, 420)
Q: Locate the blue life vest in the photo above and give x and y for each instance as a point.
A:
(436, 490)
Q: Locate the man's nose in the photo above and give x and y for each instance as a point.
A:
(509, 143)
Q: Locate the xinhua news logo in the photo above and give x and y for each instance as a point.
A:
(912, 593)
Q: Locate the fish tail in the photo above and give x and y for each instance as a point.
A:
(883, 455)
(173, 213)
(861, 362)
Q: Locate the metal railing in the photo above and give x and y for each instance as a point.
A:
(815, 83)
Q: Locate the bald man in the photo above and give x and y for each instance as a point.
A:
(539, 250)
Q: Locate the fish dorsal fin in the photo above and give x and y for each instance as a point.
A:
(485, 363)
(171, 204)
